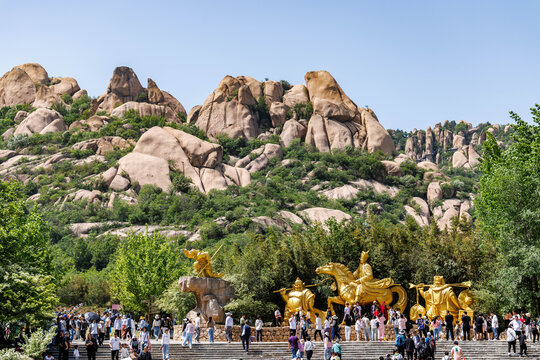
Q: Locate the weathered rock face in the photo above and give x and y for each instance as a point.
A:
(298, 94)
(197, 159)
(264, 154)
(41, 121)
(16, 87)
(228, 110)
(377, 136)
(328, 99)
(45, 97)
(64, 85)
(125, 84)
(160, 97)
(292, 130)
(211, 295)
(434, 192)
(36, 72)
(278, 113)
(327, 134)
(322, 215)
(102, 145)
(145, 109)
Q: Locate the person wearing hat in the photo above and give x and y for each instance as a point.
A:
(156, 325)
(228, 326)
(400, 342)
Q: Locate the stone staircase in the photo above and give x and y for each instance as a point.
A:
(473, 350)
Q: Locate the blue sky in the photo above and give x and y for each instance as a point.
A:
(414, 62)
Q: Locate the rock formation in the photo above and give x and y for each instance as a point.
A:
(211, 295)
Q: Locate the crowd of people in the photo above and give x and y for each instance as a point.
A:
(129, 339)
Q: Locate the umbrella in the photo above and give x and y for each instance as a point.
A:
(91, 316)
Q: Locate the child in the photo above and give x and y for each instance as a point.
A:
(335, 356)
(48, 356)
(301, 348)
(522, 345)
(76, 352)
(124, 353)
(446, 356)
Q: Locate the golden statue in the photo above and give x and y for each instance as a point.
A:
(203, 266)
(299, 298)
(440, 298)
(361, 286)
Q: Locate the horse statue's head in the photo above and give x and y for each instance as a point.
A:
(339, 271)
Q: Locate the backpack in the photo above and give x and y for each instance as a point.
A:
(422, 350)
(431, 344)
(400, 341)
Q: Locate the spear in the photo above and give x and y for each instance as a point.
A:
(212, 258)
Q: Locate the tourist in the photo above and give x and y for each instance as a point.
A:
(335, 328)
(409, 347)
(145, 338)
(534, 330)
(156, 326)
(374, 323)
(435, 325)
(430, 341)
(124, 352)
(301, 348)
(457, 352)
(197, 325)
(145, 355)
(423, 349)
(348, 323)
(335, 356)
(308, 347)
(134, 355)
(522, 344)
(76, 353)
(381, 320)
(366, 327)
(478, 326)
(101, 333)
(516, 325)
(91, 347)
(327, 346)
(421, 326)
(303, 327)
(318, 327)
(134, 343)
(165, 341)
(402, 323)
(245, 335)
(228, 327)
(49, 356)
(357, 311)
(114, 344)
(242, 320)
(495, 326)
(308, 319)
(293, 345)
(336, 348)
(395, 325)
(292, 325)
(527, 323)
(327, 324)
(108, 327)
(211, 328)
(417, 341)
(190, 329)
(466, 323)
(94, 330)
(511, 338)
(358, 325)
(446, 356)
(449, 323)
(63, 346)
(399, 343)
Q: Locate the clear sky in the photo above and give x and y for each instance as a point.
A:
(414, 62)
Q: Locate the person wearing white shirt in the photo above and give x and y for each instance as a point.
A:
(114, 344)
(165, 341)
(144, 338)
(117, 326)
(198, 327)
(516, 325)
(318, 327)
(495, 326)
(373, 324)
(124, 352)
(365, 320)
(358, 328)
(308, 348)
(511, 337)
(292, 325)
(258, 328)
(94, 330)
(190, 329)
(228, 327)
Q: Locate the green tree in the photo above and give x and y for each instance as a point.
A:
(145, 265)
(27, 287)
(508, 207)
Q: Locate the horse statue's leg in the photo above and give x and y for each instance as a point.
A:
(334, 300)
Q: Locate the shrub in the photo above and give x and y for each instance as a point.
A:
(17, 141)
(142, 97)
(250, 307)
(66, 98)
(447, 190)
(304, 111)
(180, 182)
(286, 85)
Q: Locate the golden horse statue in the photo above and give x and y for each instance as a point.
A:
(362, 290)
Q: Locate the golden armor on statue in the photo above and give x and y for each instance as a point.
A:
(202, 265)
(440, 298)
(299, 298)
(361, 286)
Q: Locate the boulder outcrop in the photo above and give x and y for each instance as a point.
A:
(145, 109)
(41, 121)
(211, 295)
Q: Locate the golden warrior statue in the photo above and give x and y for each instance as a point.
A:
(202, 266)
(440, 298)
(367, 284)
(299, 298)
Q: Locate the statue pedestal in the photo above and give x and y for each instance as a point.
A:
(211, 295)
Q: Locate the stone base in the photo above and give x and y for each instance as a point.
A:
(211, 295)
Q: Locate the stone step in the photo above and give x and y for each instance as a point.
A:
(351, 350)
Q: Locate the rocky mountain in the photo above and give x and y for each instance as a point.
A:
(335, 158)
